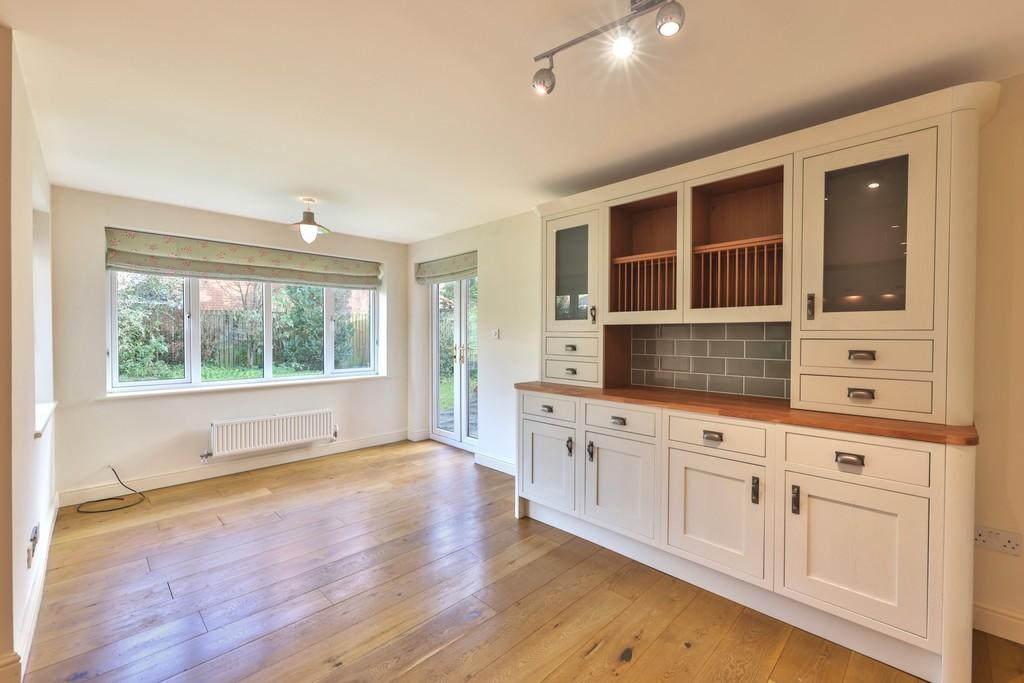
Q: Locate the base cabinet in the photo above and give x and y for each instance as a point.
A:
(716, 510)
(619, 484)
(548, 470)
(859, 548)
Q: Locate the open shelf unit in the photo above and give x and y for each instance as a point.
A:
(643, 255)
(736, 240)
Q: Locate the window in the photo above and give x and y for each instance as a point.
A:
(150, 328)
(195, 331)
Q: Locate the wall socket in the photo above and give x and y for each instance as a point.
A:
(997, 539)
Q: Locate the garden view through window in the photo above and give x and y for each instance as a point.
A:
(310, 331)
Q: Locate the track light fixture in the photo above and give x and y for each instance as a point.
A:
(668, 23)
(544, 79)
(624, 43)
(670, 18)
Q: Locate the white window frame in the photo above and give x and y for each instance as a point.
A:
(193, 341)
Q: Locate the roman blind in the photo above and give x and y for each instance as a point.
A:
(446, 269)
(147, 252)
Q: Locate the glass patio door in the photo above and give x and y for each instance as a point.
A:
(454, 405)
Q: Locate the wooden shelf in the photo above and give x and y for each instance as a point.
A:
(738, 244)
(745, 272)
(645, 282)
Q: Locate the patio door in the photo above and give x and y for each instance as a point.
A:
(454, 404)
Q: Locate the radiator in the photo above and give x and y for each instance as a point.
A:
(270, 433)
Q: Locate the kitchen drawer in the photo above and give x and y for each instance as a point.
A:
(726, 437)
(580, 371)
(621, 419)
(571, 346)
(885, 394)
(544, 405)
(913, 355)
(869, 460)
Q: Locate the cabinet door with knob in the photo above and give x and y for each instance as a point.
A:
(619, 484)
(716, 510)
(548, 464)
(858, 548)
(572, 247)
(869, 234)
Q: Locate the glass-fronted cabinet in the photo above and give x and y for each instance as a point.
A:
(869, 235)
(572, 284)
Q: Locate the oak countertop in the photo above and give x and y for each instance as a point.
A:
(766, 410)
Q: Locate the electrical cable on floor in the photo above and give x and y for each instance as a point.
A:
(140, 494)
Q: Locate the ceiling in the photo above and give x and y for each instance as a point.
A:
(410, 118)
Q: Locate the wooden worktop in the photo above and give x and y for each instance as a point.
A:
(766, 410)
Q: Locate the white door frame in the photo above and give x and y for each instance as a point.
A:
(458, 436)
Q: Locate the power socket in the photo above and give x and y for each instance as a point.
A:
(997, 539)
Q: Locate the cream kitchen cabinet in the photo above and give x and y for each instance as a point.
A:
(869, 235)
(572, 283)
(857, 535)
(858, 548)
(716, 510)
(619, 484)
(548, 473)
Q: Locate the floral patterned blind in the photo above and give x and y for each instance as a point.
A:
(147, 252)
(446, 269)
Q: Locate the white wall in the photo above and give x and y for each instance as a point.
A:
(999, 365)
(509, 271)
(156, 440)
(29, 462)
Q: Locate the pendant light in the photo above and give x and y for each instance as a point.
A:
(308, 227)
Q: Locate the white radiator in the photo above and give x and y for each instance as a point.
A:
(271, 432)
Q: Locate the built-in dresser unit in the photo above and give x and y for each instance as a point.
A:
(846, 510)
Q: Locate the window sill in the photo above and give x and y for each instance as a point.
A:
(118, 394)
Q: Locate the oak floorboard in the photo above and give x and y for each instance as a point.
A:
(1006, 660)
(396, 562)
(810, 659)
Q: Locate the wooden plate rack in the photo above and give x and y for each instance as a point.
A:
(645, 282)
(744, 272)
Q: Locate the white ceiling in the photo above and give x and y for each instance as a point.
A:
(412, 118)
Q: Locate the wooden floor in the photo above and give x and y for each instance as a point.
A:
(398, 562)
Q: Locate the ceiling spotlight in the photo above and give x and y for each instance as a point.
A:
(544, 79)
(624, 43)
(670, 19)
(308, 227)
(874, 185)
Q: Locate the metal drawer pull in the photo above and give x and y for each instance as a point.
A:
(866, 394)
(590, 451)
(854, 459)
(861, 354)
(795, 500)
(568, 446)
(570, 371)
(717, 437)
(620, 421)
(570, 347)
(547, 409)
(755, 490)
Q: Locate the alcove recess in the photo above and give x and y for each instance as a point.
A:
(736, 239)
(643, 254)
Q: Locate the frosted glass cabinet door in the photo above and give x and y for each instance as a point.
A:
(869, 235)
(572, 248)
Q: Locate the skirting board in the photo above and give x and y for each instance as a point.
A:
(227, 466)
(919, 662)
(495, 463)
(26, 633)
(419, 434)
(999, 623)
(10, 668)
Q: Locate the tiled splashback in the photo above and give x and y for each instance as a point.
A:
(733, 358)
